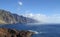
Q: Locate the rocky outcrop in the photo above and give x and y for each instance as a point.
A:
(7, 17)
(4, 32)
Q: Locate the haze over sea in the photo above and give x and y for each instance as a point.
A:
(45, 30)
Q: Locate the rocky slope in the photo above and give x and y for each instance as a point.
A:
(7, 17)
(4, 32)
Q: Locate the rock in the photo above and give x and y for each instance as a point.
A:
(7, 17)
(25, 34)
(4, 32)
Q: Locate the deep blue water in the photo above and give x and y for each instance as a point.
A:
(49, 30)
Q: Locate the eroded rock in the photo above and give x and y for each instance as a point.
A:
(4, 32)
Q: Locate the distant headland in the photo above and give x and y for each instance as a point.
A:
(7, 17)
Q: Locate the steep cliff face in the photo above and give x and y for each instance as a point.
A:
(4, 32)
(7, 17)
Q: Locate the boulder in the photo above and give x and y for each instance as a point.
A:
(4, 32)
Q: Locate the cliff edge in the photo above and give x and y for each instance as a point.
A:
(7, 17)
(4, 32)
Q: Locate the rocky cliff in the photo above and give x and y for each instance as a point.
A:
(7, 17)
(4, 32)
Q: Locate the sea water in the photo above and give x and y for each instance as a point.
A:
(45, 30)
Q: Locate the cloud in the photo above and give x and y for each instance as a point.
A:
(42, 18)
(20, 3)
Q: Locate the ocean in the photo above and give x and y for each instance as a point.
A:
(42, 30)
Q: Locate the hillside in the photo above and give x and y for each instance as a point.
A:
(5, 32)
(7, 17)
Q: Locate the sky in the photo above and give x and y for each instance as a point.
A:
(46, 11)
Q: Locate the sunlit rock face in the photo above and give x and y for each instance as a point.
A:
(14, 33)
(7, 17)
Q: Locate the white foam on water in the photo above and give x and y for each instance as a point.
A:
(42, 32)
(36, 32)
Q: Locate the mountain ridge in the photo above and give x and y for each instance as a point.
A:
(7, 17)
